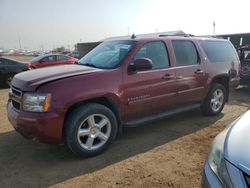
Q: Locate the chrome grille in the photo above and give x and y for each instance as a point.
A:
(15, 92)
(15, 97)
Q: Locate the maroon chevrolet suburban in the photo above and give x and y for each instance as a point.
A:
(122, 83)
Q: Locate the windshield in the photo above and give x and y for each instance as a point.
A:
(38, 58)
(107, 55)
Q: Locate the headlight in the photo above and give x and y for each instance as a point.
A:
(36, 102)
(216, 159)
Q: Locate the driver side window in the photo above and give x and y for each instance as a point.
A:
(157, 52)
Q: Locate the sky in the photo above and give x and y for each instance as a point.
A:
(47, 24)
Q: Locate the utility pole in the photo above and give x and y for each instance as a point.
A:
(128, 31)
(20, 46)
(213, 27)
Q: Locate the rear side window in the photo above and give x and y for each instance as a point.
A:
(219, 51)
(156, 51)
(185, 53)
(62, 58)
(49, 58)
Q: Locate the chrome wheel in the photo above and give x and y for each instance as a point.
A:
(94, 132)
(217, 100)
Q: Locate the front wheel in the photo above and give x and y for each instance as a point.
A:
(89, 129)
(215, 100)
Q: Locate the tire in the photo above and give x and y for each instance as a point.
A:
(90, 129)
(215, 100)
(8, 78)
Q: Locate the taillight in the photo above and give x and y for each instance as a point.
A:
(29, 66)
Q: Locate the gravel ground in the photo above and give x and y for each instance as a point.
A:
(167, 153)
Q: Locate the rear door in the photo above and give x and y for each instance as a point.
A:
(190, 73)
(61, 59)
(48, 61)
(150, 91)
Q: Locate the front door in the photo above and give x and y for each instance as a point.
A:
(151, 91)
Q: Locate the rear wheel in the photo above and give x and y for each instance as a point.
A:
(215, 100)
(89, 129)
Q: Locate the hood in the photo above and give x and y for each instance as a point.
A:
(237, 144)
(29, 80)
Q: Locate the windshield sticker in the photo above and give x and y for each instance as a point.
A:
(124, 46)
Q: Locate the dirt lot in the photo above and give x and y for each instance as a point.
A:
(168, 153)
(21, 58)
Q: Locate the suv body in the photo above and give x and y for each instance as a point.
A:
(122, 83)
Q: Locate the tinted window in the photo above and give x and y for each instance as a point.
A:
(185, 52)
(38, 58)
(49, 58)
(62, 58)
(156, 51)
(219, 51)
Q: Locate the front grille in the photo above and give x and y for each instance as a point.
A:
(16, 92)
(16, 105)
(15, 96)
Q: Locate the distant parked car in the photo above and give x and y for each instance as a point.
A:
(10, 67)
(75, 54)
(228, 162)
(51, 60)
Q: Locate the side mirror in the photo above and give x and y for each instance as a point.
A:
(140, 64)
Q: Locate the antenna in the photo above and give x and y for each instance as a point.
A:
(20, 46)
(133, 36)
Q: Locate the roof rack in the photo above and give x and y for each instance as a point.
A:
(183, 35)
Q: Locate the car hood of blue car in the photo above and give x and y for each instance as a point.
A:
(237, 143)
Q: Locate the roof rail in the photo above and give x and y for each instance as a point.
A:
(212, 36)
(184, 35)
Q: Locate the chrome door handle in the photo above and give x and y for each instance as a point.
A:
(198, 71)
(168, 76)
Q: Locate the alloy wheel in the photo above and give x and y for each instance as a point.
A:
(94, 132)
(217, 100)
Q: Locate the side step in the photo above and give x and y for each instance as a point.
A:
(141, 121)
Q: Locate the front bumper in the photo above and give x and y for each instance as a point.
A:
(44, 127)
(210, 179)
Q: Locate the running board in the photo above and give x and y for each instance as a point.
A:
(162, 115)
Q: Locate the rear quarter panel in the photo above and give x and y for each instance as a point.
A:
(215, 70)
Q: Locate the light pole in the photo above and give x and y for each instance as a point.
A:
(213, 27)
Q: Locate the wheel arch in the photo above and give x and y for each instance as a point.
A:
(223, 80)
(108, 102)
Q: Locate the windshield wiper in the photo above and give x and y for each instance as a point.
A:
(89, 65)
